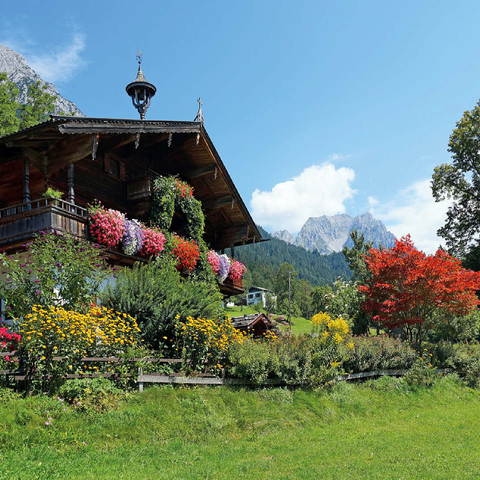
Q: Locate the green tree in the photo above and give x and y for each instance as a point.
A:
(303, 297)
(9, 121)
(320, 297)
(15, 116)
(354, 256)
(286, 273)
(460, 182)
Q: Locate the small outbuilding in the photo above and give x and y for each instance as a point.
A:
(257, 324)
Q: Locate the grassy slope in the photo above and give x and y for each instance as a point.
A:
(219, 433)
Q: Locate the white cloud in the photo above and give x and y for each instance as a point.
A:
(337, 157)
(372, 201)
(59, 66)
(414, 212)
(318, 190)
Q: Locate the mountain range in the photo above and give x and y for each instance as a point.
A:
(18, 72)
(329, 234)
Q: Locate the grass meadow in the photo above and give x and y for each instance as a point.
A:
(380, 429)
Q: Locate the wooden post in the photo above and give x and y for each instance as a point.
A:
(71, 176)
(140, 384)
(26, 184)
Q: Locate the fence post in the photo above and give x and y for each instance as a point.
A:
(140, 384)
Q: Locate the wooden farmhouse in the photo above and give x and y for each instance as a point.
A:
(114, 161)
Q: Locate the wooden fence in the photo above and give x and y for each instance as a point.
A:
(20, 375)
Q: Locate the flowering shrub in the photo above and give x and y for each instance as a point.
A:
(223, 268)
(213, 260)
(8, 343)
(237, 269)
(106, 226)
(200, 339)
(133, 237)
(186, 252)
(326, 326)
(70, 335)
(153, 241)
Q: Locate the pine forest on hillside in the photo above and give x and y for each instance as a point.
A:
(263, 260)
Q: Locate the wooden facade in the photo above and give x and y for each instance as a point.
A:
(114, 161)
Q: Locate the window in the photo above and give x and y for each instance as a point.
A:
(114, 167)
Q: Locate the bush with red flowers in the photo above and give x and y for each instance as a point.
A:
(106, 226)
(187, 253)
(8, 341)
(153, 242)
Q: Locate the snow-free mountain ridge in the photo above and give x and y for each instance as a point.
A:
(328, 234)
(18, 72)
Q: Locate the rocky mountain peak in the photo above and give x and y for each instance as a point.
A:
(284, 235)
(328, 234)
(18, 72)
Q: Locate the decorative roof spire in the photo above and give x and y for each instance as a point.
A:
(199, 117)
(140, 90)
(140, 76)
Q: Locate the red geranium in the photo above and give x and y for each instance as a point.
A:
(187, 253)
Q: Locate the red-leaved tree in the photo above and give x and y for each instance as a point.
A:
(407, 287)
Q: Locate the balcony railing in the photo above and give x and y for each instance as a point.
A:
(25, 220)
(42, 202)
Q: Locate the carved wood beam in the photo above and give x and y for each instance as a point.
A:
(233, 235)
(218, 202)
(38, 159)
(199, 172)
(76, 151)
(122, 141)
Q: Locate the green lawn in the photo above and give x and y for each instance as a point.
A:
(221, 433)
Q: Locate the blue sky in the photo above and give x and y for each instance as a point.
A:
(315, 107)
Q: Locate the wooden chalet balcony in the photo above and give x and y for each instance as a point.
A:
(21, 222)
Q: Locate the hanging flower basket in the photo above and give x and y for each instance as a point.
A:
(133, 237)
(237, 269)
(153, 242)
(106, 226)
(223, 268)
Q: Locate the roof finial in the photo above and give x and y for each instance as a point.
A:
(140, 90)
(199, 117)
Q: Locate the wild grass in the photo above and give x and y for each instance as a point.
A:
(379, 429)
